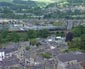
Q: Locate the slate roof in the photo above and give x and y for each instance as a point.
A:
(9, 61)
(72, 56)
(26, 54)
(40, 66)
(73, 66)
(8, 50)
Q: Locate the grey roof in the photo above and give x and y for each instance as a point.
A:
(26, 54)
(8, 50)
(73, 66)
(9, 61)
(72, 56)
(40, 66)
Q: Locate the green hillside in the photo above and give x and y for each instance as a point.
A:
(5, 0)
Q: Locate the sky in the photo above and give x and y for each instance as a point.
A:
(50, 1)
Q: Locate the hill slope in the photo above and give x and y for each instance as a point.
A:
(5, 0)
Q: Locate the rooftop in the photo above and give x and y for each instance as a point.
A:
(80, 57)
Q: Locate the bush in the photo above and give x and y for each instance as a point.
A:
(46, 55)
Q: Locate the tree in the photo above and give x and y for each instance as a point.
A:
(27, 48)
(3, 36)
(60, 34)
(79, 40)
(4, 33)
(75, 43)
(31, 34)
(78, 31)
(14, 37)
(46, 55)
(33, 42)
(82, 46)
(0, 41)
(43, 33)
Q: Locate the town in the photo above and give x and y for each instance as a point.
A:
(39, 35)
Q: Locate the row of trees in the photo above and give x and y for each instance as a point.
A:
(6, 36)
(78, 31)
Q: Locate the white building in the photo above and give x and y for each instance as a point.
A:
(2, 56)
